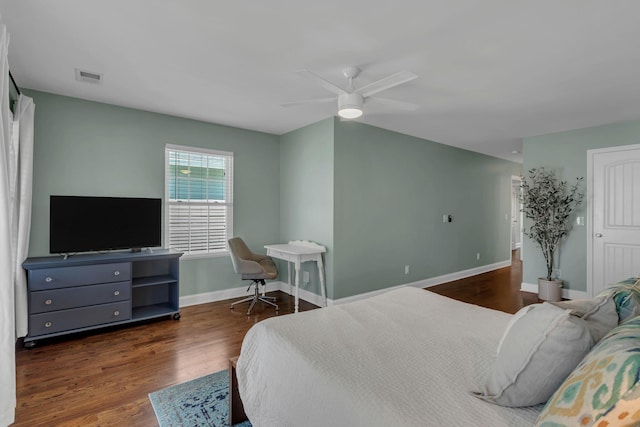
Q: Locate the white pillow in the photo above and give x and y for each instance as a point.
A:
(538, 352)
(600, 313)
(524, 310)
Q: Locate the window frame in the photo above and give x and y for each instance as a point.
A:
(229, 203)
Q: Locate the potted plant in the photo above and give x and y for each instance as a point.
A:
(548, 203)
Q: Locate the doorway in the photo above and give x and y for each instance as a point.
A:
(516, 215)
(613, 240)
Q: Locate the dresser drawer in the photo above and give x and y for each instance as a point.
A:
(65, 277)
(76, 318)
(60, 299)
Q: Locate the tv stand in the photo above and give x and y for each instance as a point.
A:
(92, 291)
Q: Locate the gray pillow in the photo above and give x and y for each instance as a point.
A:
(538, 352)
(600, 313)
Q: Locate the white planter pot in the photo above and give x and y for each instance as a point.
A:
(549, 290)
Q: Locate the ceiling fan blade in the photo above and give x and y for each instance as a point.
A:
(386, 83)
(400, 105)
(321, 81)
(308, 101)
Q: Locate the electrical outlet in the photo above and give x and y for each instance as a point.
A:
(305, 276)
(556, 273)
(478, 256)
(406, 269)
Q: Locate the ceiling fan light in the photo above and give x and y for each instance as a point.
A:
(350, 105)
(348, 112)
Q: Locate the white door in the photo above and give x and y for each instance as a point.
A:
(615, 213)
(516, 214)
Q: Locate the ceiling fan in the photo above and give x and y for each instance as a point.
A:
(351, 99)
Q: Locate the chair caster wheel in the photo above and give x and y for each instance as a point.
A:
(176, 316)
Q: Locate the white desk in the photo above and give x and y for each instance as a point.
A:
(297, 252)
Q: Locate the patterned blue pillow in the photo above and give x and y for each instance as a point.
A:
(626, 295)
(603, 384)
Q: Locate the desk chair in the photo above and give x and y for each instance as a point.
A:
(252, 267)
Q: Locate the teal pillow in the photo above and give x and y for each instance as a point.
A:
(626, 295)
(606, 378)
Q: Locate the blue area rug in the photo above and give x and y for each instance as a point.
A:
(200, 402)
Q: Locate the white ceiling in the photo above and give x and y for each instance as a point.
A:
(490, 72)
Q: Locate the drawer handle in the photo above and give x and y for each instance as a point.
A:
(116, 313)
(116, 293)
(48, 302)
(116, 273)
(48, 279)
(47, 324)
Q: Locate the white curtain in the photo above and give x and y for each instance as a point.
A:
(7, 266)
(16, 176)
(22, 175)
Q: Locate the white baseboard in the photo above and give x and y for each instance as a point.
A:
(462, 274)
(529, 287)
(240, 292)
(305, 295)
(224, 294)
(361, 296)
(566, 293)
(425, 283)
(313, 298)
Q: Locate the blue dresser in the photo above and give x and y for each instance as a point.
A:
(92, 291)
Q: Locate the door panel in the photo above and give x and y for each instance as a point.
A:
(616, 216)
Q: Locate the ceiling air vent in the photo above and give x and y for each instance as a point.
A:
(88, 76)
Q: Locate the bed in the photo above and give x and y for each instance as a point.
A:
(408, 357)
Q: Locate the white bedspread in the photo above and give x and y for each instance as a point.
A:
(408, 357)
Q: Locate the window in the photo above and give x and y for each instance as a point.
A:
(199, 200)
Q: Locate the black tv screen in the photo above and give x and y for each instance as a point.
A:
(82, 224)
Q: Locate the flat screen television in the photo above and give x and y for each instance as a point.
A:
(83, 224)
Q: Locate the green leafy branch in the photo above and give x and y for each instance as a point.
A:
(548, 203)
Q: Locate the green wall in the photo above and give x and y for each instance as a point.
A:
(566, 152)
(391, 191)
(89, 148)
(306, 194)
(373, 197)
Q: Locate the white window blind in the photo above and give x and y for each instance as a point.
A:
(199, 200)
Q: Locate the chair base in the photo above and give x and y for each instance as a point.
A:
(256, 297)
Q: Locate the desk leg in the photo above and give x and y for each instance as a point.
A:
(297, 284)
(321, 274)
(289, 278)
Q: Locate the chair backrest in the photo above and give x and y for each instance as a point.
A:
(239, 252)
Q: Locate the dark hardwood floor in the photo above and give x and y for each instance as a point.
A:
(498, 289)
(104, 378)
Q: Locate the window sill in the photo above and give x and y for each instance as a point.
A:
(209, 255)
